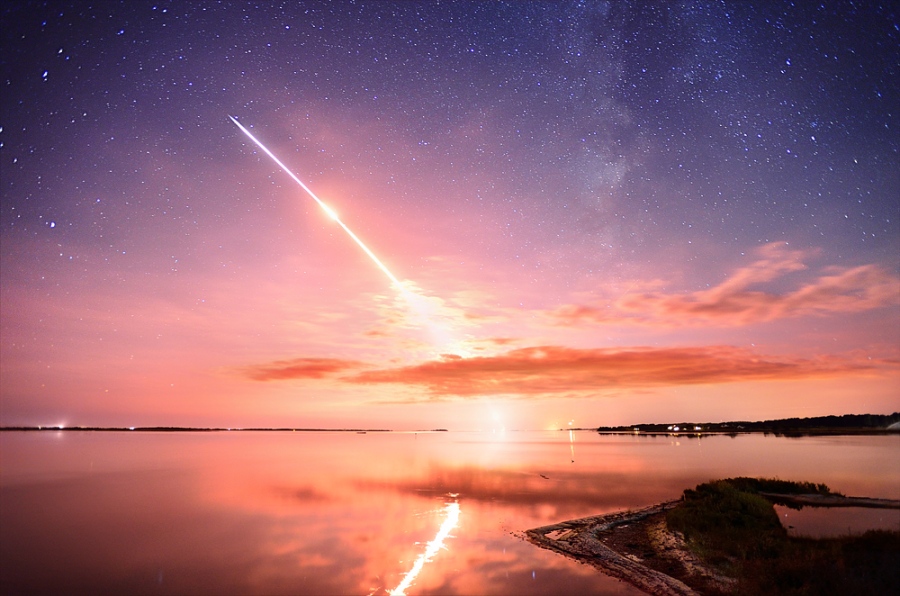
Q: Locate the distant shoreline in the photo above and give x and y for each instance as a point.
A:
(191, 429)
(777, 432)
(849, 424)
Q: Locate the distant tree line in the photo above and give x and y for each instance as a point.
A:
(847, 422)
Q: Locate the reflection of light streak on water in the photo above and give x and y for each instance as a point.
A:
(572, 444)
(434, 546)
(328, 210)
(572, 440)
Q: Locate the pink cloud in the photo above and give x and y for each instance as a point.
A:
(739, 301)
(299, 368)
(549, 370)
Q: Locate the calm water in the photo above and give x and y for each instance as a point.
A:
(335, 513)
(831, 522)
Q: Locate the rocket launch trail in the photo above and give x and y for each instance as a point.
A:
(418, 306)
(324, 207)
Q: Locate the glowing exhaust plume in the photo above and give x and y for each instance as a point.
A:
(433, 547)
(328, 210)
(417, 304)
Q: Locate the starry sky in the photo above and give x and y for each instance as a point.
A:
(599, 213)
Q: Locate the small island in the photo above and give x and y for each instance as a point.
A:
(819, 425)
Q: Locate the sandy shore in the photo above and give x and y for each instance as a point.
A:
(634, 546)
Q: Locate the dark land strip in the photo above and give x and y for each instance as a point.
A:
(638, 547)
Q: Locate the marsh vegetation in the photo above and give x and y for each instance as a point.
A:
(733, 528)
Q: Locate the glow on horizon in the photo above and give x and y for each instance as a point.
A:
(434, 546)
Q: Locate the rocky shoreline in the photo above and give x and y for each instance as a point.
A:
(633, 546)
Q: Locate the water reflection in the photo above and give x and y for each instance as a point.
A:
(452, 510)
(572, 444)
(833, 522)
(313, 513)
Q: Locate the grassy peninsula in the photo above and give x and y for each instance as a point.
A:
(724, 537)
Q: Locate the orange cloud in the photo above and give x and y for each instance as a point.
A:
(549, 370)
(738, 301)
(299, 368)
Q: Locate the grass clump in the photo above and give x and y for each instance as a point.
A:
(734, 529)
(782, 487)
(726, 525)
(865, 565)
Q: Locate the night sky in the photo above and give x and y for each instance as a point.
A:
(601, 213)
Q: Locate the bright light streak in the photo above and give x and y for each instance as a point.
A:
(572, 444)
(331, 213)
(328, 210)
(420, 306)
(433, 547)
